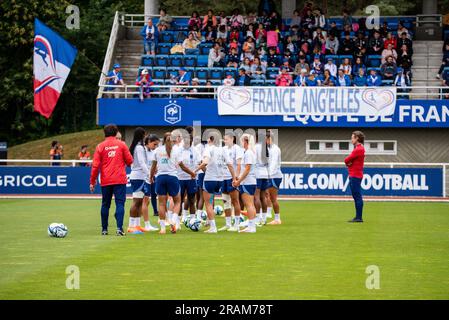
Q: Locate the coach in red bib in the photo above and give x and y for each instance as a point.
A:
(110, 159)
(355, 162)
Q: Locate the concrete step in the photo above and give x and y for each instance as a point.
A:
(426, 61)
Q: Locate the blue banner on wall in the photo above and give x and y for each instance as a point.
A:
(182, 112)
(426, 182)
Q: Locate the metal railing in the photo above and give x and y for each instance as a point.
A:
(132, 91)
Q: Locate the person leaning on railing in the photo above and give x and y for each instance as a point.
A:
(114, 78)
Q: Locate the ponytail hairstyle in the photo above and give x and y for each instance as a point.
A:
(139, 136)
(151, 138)
(249, 139)
(168, 143)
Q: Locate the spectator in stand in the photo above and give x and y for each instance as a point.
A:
(250, 19)
(263, 18)
(390, 39)
(262, 54)
(347, 45)
(359, 43)
(346, 67)
(195, 83)
(300, 80)
(144, 82)
(347, 18)
(358, 65)
(222, 19)
(243, 79)
(331, 67)
(190, 45)
(343, 80)
(284, 79)
(288, 56)
(210, 35)
(272, 37)
(286, 64)
(389, 69)
(327, 79)
(164, 20)
(296, 19)
(194, 20)
(222, 32)
(236, 19)
(445, 63)
(361, 54)
(334, 30)
(402, 29)
(184, 79)
(302, 64)
(376, 44)
(308, 20)
(403, 40)
(229, 80)
(332, 45)
(317, 66)
(246, 65)
(389, 52)
(235, 34)
(308, 6)
(360, 79)
(250, 32)
(56, 153)
(402, 81)
(249, 48)
(274, 21)
(384, 30)
(216, 56)
(114, 78)
(312, 81)
(84, 155)
(405, 59)
(257, 70)
(261, 35)
(290, 45)
(150, 35)
(320, 19)
(233, 59)
(373, 80)
(273, 59)
(209, 89)
(209, 20)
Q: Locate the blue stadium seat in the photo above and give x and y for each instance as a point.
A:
(445, 71)
(202, 60)
(179, 36)
(374, 60)
(231, 71)
(176, 60)
(334, 58)
(270, 83)
(159, 72)
(215, 82)
(216, 73)
(204, 48)
(259, 83)
(150, 70)
(147, 60)
(189, 61)
(166, 36)
(387, 83)
(202, 73)
(164, 48)
(172, 71)
(162, 60)
(272, 72)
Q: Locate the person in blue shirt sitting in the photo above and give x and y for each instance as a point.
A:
(360, 79)
(343, 79)
(374, 80)
(150, 35)
(114, 78)
(243, 79)
(311, 81)
(184, 79)
(402, 81)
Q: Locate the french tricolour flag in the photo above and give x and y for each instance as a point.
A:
(52, 60)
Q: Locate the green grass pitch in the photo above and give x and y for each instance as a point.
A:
(315, 254)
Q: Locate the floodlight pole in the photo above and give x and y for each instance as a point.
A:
(151, 8)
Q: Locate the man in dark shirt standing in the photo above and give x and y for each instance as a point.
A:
(355, 162)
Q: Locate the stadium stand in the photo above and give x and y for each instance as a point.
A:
(293, 42)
